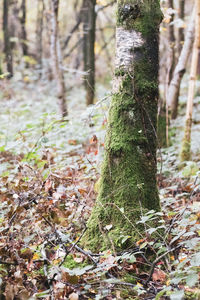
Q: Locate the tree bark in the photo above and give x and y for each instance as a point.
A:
(171, 43)
(39, 33)
(85, 29)
(181, 15)
(185, 151)
(128, 185)
(23, 28)
(14, 22)
(7, 44)
(174, 88)
(89, 29)
(56, 58)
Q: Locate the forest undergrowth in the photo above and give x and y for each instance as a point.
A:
(49, 170)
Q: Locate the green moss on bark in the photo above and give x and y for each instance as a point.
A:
(162, 129)
(186, 143)
(128, 185)
(129, 164)
(185, 150)
(142, 16)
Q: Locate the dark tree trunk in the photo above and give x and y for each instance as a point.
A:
(89, 28)
(128, 185)
(181, 15)
(7, 44)
(23, 28)
(14, 22)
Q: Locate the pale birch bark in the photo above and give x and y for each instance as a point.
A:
(185, 151)
(171, 44)
(174, 87)
(56, 58)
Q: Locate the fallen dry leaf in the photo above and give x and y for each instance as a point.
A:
(73, 296)
(159, 275)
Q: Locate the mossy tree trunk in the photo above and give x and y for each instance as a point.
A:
(128, 185)
(162, 130)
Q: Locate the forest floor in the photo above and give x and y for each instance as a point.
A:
(48, 172)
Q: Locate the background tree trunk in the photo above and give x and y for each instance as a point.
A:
(89, 28)
(23, 28)
(14, 23)
(7, 44)
(174, 88)
(185, 151)
(181, 15)
(128, 179)
(85, 33)
(56, 58)
(39, 32)
(172, 43)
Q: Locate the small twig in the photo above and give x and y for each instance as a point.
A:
(105, 45)
(99, 102)
(80, 237)
(73, 246)
(124, 283)
(8, 263)
(71, 70)
(74, 28)
(85, 253)
(89, 255)
(180, 214)
(73, 48)
(156, 261)
(105, 6)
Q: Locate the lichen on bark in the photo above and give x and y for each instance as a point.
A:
(186, 143)
(128, 186)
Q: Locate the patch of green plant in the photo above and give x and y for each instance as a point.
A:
(190, 169)
(70, 263)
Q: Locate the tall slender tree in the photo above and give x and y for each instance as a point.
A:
(174, 88)
(7, 44)
(181, 15)
(171, 42)
(56, 57)
(89, 29)
(39, 31)
(23, 28)
(180, 41)
(185, 151)
(128, 177)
